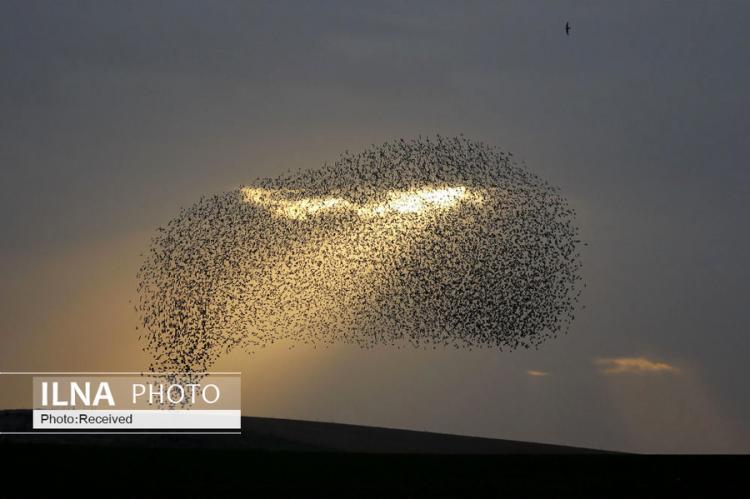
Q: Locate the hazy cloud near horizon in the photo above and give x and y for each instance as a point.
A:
(634, 365)
(116, 114)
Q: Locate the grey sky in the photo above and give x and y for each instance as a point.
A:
(113, 115)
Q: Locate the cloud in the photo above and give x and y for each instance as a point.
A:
(537, 374)
(633, 365)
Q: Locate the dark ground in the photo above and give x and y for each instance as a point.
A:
(298, 458)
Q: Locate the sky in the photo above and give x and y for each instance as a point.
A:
(116, 114)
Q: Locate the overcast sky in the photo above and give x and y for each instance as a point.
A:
(113, 115)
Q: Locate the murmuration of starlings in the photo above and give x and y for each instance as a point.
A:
(432, 242)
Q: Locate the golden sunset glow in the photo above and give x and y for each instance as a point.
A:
(403, 202)
(634, 365)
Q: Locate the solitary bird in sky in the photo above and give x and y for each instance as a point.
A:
(567, 29)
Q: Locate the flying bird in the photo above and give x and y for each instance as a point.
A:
(567, 28)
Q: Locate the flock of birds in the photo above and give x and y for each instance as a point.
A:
(440, 242)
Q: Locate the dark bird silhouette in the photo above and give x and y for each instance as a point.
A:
(567, 29)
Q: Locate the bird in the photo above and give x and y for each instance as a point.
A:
(567, 28)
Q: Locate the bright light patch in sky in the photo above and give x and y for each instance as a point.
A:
(634, 365)
(411, 201)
